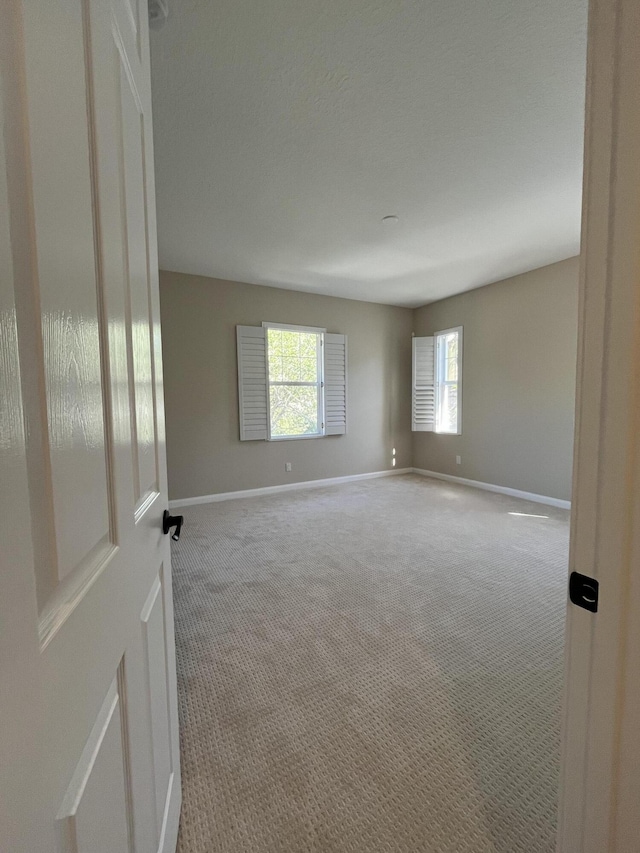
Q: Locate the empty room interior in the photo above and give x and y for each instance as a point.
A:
(287, 505)
(369, 221)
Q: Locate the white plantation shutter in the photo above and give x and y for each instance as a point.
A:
(335, 384)
(252, 382)
(423, 398)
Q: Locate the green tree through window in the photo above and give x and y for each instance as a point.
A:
(294, 382)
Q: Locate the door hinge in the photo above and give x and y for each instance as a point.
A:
(583, 591)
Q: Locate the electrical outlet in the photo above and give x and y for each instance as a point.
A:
(287, 466)
(458, 460)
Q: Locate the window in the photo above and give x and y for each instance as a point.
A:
(292, 382)
(294, 364)
(448, 381)
(436, 394)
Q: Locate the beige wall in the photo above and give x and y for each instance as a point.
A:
(519, 369)
(204, 453)
(518, 384)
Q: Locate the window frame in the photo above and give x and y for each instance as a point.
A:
(438, 382)
(319, 384)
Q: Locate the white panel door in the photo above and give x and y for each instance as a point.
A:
(89, 758)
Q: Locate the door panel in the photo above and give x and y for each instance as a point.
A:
(155, 659)
(138, 307)
(67, 403)
(95, 816)
(92, 591)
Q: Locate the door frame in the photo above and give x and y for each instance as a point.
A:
(600, 780)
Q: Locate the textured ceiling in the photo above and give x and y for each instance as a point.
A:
(285, 130)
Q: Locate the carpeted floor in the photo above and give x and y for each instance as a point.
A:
(370, 667)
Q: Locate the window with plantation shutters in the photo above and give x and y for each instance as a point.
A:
(335, 384)
(423, 396)
(437, 383)
(292, 382)
(252, 382)
(448, 374)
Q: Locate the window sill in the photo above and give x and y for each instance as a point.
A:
(295, 437)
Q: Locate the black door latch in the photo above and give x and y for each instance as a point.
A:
(583, 591)
(169, 521)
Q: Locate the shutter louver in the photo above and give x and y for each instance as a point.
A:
(335, 384)
(252, 382)
(423, 387)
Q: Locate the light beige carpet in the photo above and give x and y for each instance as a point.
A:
(370, 667)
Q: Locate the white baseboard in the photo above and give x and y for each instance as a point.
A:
(286, 487)
(489, 487)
